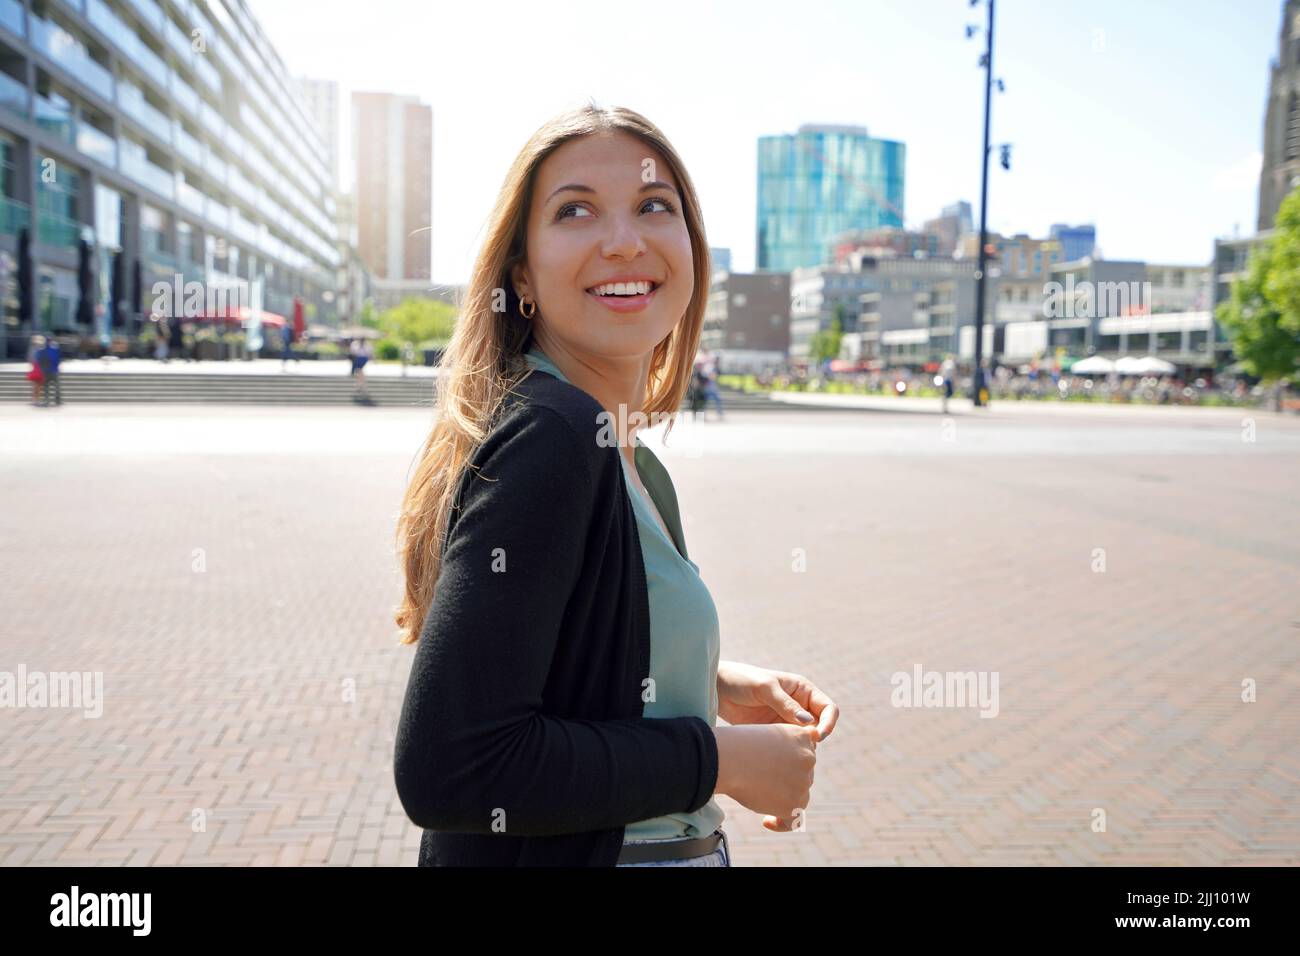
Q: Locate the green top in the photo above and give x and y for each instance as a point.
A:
(685, 642)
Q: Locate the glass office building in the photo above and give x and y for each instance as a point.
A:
(165, 135)
(820, 183)
(1077, 242)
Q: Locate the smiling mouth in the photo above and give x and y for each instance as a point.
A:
(622, 290)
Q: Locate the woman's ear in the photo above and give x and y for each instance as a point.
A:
(519, 279)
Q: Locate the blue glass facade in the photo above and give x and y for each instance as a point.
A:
(819, 183)
(1077, 242)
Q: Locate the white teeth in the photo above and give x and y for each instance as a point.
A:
(623, 288)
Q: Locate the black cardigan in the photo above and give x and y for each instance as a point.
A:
(521, 740)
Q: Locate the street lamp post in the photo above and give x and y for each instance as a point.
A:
(981, 267)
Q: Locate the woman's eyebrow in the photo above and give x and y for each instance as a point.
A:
(579, 187)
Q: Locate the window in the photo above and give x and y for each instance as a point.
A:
(190, 243)
(1293, 127)
(58, 196)
(8, 169)
(56, 298)
(155, 229)
(108, 217)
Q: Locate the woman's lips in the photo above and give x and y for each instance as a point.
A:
(625, 303)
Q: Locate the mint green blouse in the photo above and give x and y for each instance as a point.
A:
(685, 642)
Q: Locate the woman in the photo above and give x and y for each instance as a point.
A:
(563, 698)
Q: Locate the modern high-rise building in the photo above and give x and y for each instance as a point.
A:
(392, 148)
(352, 277)
(820, 183)
(720, 256)
(322, 100)
(950, 226)
(1280, 171)
(1077, 242)
(145, 142)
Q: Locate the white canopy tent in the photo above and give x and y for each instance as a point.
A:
(1096, 365)
(1146, 365)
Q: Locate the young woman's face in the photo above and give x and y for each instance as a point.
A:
(606, 209)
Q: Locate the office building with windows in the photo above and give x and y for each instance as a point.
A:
(392, 148)
(147, 141)
(747, 320)
(950, 226)
(1280, 170)
(886, 242)
(896, 310)
(321, 98)
(818, 184)
(720, 259)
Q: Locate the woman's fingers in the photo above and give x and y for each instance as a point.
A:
(824, 708)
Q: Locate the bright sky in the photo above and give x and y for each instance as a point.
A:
(1142, 116)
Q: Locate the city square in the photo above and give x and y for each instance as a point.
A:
(1127, 575)
(986, 432)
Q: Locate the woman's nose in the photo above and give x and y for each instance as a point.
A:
(624, 239)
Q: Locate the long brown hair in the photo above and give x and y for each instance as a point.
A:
(484, 359)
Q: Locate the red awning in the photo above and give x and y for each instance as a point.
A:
(268, 318)
(242, 315)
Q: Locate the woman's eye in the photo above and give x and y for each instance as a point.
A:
(576, 208)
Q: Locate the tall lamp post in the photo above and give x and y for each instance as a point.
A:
(981, 269)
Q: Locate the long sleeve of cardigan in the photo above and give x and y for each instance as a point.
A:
(474, 753)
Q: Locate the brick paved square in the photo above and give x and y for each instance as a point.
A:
(231, 571)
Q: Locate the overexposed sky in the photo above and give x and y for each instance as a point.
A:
(1142, 116)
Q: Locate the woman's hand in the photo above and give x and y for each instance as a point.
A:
(755, 695)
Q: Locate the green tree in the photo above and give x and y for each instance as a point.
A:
(826, 344)
(420, 322)
(367, 317)
(1263, 313)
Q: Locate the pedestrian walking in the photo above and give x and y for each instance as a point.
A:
(286, 336)
(164, 341)
(35, 374)
(176, 338)
(696, 392)
(711, 393)
(947, 372)
(361, 354)
(50, 359)
(544, 558)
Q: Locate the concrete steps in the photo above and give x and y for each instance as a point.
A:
(197, 387)
(200, 387)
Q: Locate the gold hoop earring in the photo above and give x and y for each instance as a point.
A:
(531, 312)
